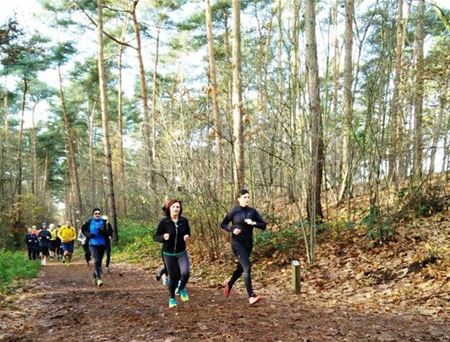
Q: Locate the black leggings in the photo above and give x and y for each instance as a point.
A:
(108, 254)
(178, 270)
(87, 252)
(243, 267)
(33, 254)
(97, 253)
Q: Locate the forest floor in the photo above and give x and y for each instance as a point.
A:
(63, 305)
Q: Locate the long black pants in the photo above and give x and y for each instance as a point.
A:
(97, 253)
(243, 267)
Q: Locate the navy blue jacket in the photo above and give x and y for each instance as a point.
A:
(44, 237)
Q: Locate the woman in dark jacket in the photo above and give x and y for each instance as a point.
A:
(32, 245)
(44, 237)
(173, 232)
(243, 219)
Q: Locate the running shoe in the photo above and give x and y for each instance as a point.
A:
(94, 278)
(184, 295)
(172, 302)
(159, 273)
(165, 280)
(226, 288)
(106, 269)
(99, 282)
(254, 299)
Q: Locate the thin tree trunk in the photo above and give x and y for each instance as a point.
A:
(419, 91)
(229, 95)
(347, 105)
(46, 173)
(4, 150)
(214, 100)
(18, 219)
(92, 176)
(33, 152)
(105, 124)
(144, 97)
(396, 107)
(315, 110)
(123, 175)
(154, 99)
(437, 125)
(295, 91)
(238, 129)
(317, 147)
(71, 149)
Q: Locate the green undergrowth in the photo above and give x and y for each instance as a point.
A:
(136, 243)
(15, 266)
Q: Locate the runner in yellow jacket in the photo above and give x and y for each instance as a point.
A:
(67, 234)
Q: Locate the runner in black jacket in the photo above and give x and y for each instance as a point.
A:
(243, 218)
(173, 232)
(32, 245)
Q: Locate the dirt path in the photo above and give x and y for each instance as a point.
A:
(63, 305)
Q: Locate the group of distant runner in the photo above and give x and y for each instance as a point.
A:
(51, 242)
(173, 232)
(56, 242)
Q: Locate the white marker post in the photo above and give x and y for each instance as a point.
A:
(296, 276)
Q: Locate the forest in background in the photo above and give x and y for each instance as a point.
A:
(311, 105)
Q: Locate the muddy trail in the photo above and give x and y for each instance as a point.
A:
(63, 305)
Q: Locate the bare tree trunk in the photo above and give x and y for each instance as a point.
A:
(123, 176)
(396, 107)
(4, 149)
(348, 100)
(238, 129)
(214, 100)
(295, 92)
(144, 95)
(437, 125)
(317, 147)
(229, 97)
(18, 219)
(34, 184)
(46, 173)
(334, 148)
(92, 176)
(105, 124)
(419, 91)
(154, 98)
(70, 141)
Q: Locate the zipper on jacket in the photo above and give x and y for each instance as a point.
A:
(176, 237)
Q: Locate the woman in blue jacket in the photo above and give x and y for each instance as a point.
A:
(243, 219)
(173, 232)
(97, 231)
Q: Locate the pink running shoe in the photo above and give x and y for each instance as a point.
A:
(226, 288)
(255, 299)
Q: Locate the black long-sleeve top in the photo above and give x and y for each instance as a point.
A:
(177, 231)
(31, 240)
(44, 237)
(237, 217)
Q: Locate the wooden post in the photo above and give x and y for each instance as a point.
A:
(295, 265)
